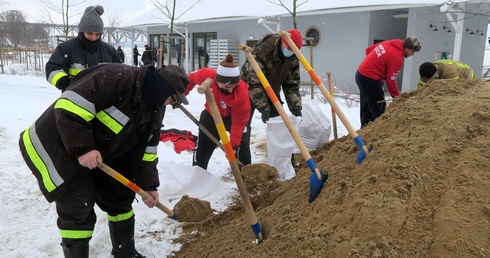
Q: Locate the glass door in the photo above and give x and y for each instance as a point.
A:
(201, 47)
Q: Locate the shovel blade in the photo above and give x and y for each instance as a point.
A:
(316, 185)
(174, 216)
(361, 155)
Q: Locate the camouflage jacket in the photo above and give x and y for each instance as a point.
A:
(278, 70)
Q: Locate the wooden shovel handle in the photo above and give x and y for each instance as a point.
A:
(322, 88)
(123, 180)
(334, 118)
(204, 88)
(270, 92)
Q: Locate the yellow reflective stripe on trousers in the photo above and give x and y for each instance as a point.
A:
(76, 234)
(41, 160)
(120, 217)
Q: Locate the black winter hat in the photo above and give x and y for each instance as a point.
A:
(427, 69)
(91, 21)
(177, 78)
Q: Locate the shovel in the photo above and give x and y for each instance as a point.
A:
(317, 178)
(261, 233)
(123, 180)
(361, 155)
(205, 130)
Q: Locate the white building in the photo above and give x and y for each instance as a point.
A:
(341, 29)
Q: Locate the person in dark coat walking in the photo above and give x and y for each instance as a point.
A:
(147, 57)
(136, 53)
(120, 52)
(113, 112)
(84, 51)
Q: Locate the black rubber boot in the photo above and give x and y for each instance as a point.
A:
(122, 238)
(75, 248)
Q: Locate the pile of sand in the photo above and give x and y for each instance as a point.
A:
(423, 191)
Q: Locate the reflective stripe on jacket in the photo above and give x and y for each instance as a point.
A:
(71, 57)
(102, 110)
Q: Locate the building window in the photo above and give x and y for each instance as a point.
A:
(314, 33)
(201, 49)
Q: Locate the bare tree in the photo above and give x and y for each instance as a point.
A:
(14, 27)
(167, 8)
(114, 24)
(291, 11)
(65, 11)
(37, 35)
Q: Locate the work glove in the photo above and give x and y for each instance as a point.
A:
(63, 83)
(265, 116)
(296, 112)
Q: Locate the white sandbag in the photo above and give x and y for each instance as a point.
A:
(280, 145)
(180, 180)
(314, 128)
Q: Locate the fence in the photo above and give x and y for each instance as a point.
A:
(24, 60)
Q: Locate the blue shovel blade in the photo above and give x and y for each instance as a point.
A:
(361, 155)
(316, 185)
(174, 216)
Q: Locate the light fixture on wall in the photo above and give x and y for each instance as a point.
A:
(447, 29)
(433, 27)
(480, 33)
(470, 31)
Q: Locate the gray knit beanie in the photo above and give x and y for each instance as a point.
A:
(91, 21)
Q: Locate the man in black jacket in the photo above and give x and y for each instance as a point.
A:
(84, 51)
(111, 111)
(136, 53)
(147, 57)
(120, 52)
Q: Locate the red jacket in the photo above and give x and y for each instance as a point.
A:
(236, 105)
(383, 63)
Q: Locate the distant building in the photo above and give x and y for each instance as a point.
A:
(340, 32)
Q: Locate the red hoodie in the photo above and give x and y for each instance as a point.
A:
(383, 63)
(236, 105)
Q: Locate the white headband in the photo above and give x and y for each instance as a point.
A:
(228, 71)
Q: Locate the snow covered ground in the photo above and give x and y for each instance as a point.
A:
(28, 221)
